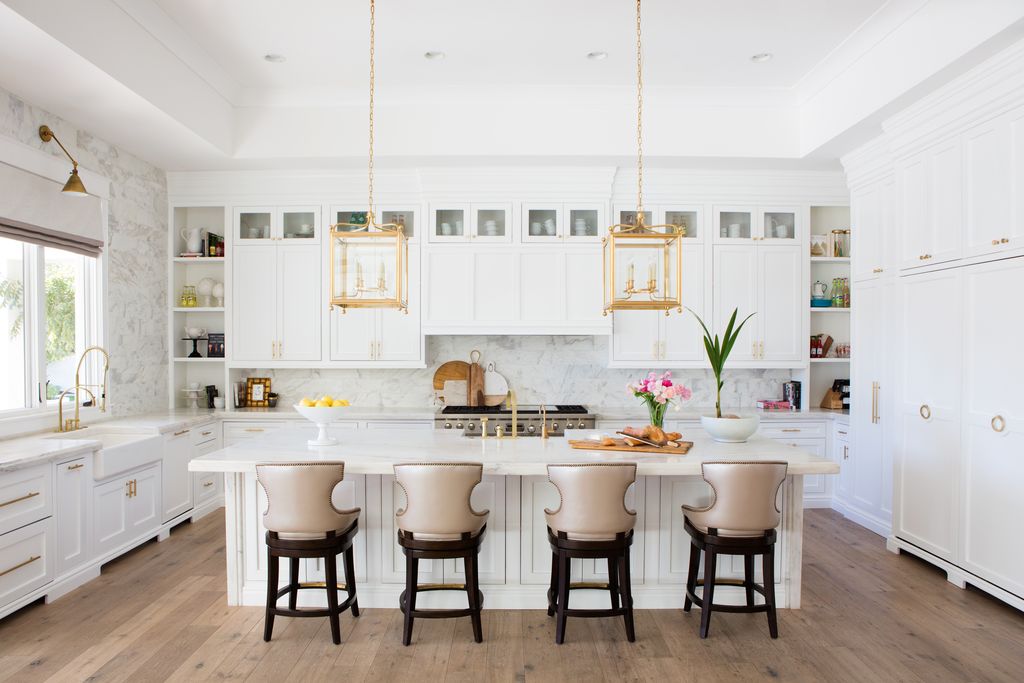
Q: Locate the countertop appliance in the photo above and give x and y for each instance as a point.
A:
(470, 420)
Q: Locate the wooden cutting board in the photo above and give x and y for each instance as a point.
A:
(475, 386)
(673, 447)
(457, 370)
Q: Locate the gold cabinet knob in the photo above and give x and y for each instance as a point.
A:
(1005, 240)
(998, 423)
(925, 412)
(876, 270)
(995, 241)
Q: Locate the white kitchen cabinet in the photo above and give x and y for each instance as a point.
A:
(736, 287)
(868, 207)
(495, 280)
(207, 487)
(176, 479)
(26, 560)
(276, 305)
(482, 223)
(930, 196)
(267, 225)
(126, 509)
(993, 181)
(489, 494)
(27, 496)
(554, 222)
(73, 479)
(993, 425)
(537, 494)
(841, 454)
(392, 499)
(636, 338)
(770, 224)
(350, 493)
(928, 380)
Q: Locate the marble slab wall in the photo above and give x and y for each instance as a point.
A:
(549, 369)
(136, 253)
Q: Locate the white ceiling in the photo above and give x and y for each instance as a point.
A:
(536, 42)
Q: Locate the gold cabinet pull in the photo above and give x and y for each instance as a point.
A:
(207, 484)
(791, 429)
(183, 431)
(1004, 240)
(846, 452)
(207, 433)
(1000, 421)
(12, 501)
(76, 466)
(876, 270)
(874, 403)
(995, 242)
(925, 411)
(254, 429)
(840, 431)
(16, 567)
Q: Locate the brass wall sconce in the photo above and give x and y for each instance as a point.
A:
(73, 186)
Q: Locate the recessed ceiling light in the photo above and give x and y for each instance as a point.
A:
(597, 56)
(762, 57)
(275, 58)
(434, 54)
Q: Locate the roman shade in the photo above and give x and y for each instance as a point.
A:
(33, 209)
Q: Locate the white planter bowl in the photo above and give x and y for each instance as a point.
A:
(321, 417)
(729, 429)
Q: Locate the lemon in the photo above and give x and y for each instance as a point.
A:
(322, 403)
(308, 402)
(328, 398)
(340, 403)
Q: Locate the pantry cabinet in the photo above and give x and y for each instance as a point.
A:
(276, 303)
(930, 196)
(994, 185)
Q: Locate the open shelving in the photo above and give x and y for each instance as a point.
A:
(834, 322)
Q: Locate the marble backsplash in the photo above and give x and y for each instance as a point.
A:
(136, 253)
(550, 369)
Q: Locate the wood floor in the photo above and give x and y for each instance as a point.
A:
(159, 613)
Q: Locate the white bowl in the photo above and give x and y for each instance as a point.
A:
(321, 417)
(730, 429)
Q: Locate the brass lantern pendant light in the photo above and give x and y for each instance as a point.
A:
(369, 260)
(656, 250)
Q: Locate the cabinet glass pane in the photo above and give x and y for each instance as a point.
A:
(407, 219)
(583, 222)
(687, 220)
(491, 223)
(354, 218)
(543, 222)
(628, 217)
(450, 223)
(299, 225)
(734, 224)
(780, 225)
(254, 226)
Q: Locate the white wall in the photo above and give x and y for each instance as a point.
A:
(136, 253)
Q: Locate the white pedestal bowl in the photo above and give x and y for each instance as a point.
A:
(321, 417)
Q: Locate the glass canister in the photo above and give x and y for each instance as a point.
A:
(188, 297)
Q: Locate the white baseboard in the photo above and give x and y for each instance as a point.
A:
(880, 526)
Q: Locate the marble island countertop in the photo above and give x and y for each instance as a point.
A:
(375, 452)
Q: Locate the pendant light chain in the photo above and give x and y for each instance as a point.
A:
(372, 74)
(639, 120)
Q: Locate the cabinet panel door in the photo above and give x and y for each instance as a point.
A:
(400, 336)
(1016, 143)
(987, 187)
(448, 286)
(993, 424)
(253, 302)
(538, 494)
(177, 480)
(735, 278)
(110, 515)
(392, 499)
(353, 333)
(74, 482)
(635, 337)
(683, 339)
(945, 199)
(299, 303)
(912, 200)
(597, 570)
(869, 337)
(495, 286)
(781, 303)
(928, 444)
(144, 506)
(866, 219)
(583, 287)
(488, 495)
(542, 281)
(350, 493)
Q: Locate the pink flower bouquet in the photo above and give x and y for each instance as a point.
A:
(658, 393)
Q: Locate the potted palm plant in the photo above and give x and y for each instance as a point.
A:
(727, 428)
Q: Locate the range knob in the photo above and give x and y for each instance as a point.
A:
(554, 426)
(581, 425)
(458, 425)
(531, 429)
(471, 426)
(447, 425)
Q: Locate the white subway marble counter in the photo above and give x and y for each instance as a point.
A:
(375, 452)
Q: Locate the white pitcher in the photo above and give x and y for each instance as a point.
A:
(193, 239)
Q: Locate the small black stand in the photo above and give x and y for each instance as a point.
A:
(195, 346)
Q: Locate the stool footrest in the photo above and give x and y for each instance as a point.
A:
(306, 612)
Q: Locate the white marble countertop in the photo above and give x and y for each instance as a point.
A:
(375, 452)
(693, 413)
(30, 450)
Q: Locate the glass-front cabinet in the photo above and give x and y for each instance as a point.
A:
(254, 224)
(735, 223)
(296, 224)
(354, 218)
(464, 222)
(686, 217)
(300, 223)
(582, 222)
(779, 225)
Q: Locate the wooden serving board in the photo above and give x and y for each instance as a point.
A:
(452, 370)
(673, 447)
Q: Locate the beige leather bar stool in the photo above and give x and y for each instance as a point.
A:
(591, 521)
(301, 523)
(741, 520)
(439, 522)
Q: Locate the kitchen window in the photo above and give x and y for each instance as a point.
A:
(49, 314)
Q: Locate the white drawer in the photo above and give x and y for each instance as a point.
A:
(26, 560)
(234, 431)
(207, 486)
(841, 432)
(205, 433)
(25, 496)
(793, 430)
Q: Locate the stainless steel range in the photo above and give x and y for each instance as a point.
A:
(530, 420)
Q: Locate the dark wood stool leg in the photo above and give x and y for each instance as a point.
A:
(293, 582)
(708, 598)
(627, 594)
(350, 581)
(613, 580)
(768, 570)
(331, 579)
(473, 592)
(268, 620)
(748, 578)
(564, 571)
(691, 578)
(553, 588)
(411, 579)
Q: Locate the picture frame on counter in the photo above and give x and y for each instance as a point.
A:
(257, 392)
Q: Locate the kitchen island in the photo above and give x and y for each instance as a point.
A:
(515, 560)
